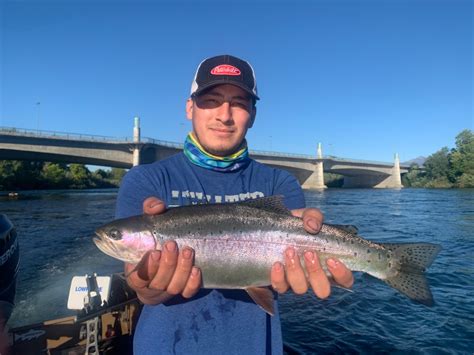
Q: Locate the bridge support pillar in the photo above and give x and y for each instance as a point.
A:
(316, 179)
(394, 181)
(136, 140)
(136, 156)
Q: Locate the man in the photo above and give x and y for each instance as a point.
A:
(178, 316)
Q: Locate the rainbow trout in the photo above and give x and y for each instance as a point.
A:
(236, 244)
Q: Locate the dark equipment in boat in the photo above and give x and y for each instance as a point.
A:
(9, 266)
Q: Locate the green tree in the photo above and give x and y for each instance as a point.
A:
(462, 160)
(54, 175)
(101, 174)
(16, 174)
(415, 177)
(80, 176)
(27, 174)
(116, 175)
(437, 164)
(7, 174)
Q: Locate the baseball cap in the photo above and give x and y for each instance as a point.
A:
(224, 69)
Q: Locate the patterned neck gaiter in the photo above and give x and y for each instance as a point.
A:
(198, 156)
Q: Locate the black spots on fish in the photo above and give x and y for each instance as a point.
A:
(418, 256)
(368, 251)
(414, 255)
(413, 285)
(389, 264)
(355, 254)
(379, 256)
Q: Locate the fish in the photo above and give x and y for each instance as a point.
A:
(235, 245)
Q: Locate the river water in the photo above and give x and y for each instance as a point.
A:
(55, 231)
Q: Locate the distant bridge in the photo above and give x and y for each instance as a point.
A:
(24, 144)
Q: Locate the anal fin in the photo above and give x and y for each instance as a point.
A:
(263, 297)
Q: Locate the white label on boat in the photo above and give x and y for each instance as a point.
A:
(78, 291)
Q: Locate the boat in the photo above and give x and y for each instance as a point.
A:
(100, 327)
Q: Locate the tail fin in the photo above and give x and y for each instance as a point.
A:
(414, 259)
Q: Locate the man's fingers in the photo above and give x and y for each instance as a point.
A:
(182, 271)
(294, 272)
(312, 218)
(278, 279)
(316, 275)
(148, 267)
(153, 205)
(139, 276)
(168, 262)
(193, 284)
(149, 296)
(342, 275)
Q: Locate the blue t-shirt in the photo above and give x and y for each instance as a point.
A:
(213, 321)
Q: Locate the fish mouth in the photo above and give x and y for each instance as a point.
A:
(105, 247)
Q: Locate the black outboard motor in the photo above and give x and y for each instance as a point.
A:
(9, 266)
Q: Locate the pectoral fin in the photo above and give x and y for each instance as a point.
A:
(335, 284)
(263, 297)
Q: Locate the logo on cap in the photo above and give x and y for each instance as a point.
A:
(225, 69)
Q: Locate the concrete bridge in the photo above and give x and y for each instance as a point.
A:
(22, 144)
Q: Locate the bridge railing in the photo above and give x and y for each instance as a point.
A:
(325, 157)
(282, 155)
(160, 142)
(61, 135)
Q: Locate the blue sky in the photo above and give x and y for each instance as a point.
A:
(365, 78)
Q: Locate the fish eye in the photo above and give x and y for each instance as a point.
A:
(115, 234)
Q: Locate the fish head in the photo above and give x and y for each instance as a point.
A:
(127, 239)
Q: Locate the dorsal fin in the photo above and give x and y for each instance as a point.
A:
(271, 203)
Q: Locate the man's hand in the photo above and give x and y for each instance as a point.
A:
(160, 275)
(295, 275)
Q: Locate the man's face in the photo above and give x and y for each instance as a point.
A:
(221, 117)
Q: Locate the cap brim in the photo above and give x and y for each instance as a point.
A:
(215, 83)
